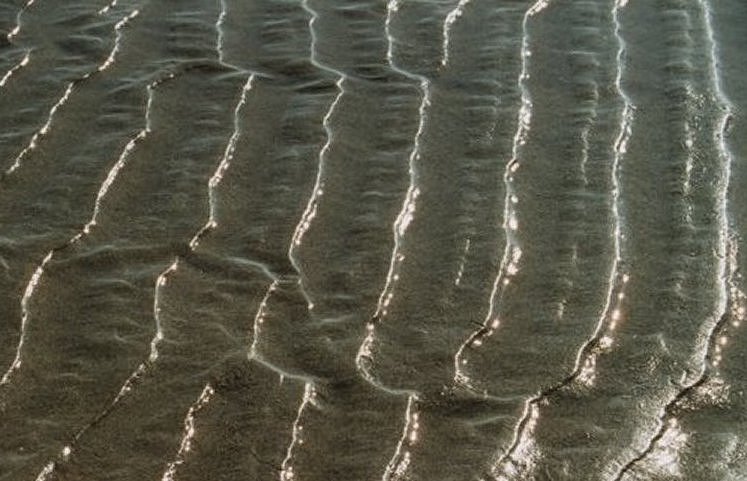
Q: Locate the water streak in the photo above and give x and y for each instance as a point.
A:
(24, 61)
(451, 18)
(462, 263)
(409, 206)
(107, 7)
(39, 271)
(287, 472)
(710, 346)
(259, 319)
(585, 362)
(17, 28)
(44, 130)
(602, 338)
(164, 276)
(185, 446)
(46, 472)
(85, 231)
(312, 205)
(219, 30)
(397, 468)
(223, 165)
(25, 315)
(509, 265)
(111, 176)
(117, 40)
(738, 303)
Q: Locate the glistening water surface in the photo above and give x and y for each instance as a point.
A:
(414, 240)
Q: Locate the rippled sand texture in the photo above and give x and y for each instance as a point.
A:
(414, 240)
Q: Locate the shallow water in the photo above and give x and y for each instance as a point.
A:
(415, 240)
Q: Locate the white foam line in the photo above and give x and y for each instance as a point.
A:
(509, 264)
(158, 336)
(212, 223)
(287, 472)
(398, 465)
(722, 275)
(407, 212)
(520, 454)
(163, 278)
(24, 61)
(223, 165)
(451, 18)
(33, 143)
(185, 446)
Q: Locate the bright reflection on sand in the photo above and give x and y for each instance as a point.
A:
(397, 468)
(664, 459)
(520, 461)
